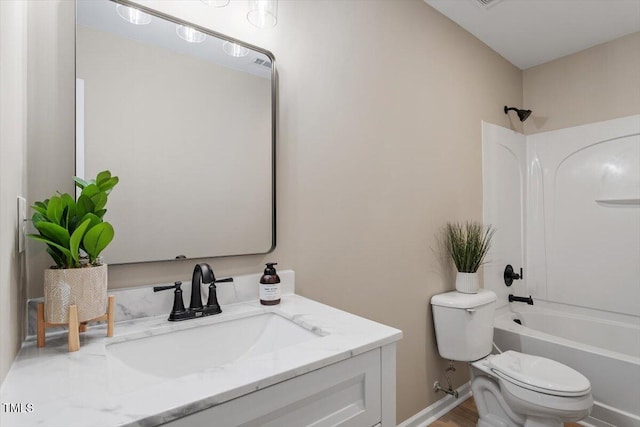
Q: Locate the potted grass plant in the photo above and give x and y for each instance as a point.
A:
(468, 244)
(75, 234)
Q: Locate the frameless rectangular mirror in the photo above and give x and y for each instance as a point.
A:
(186, 118)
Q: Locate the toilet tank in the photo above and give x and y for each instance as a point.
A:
(464, 324)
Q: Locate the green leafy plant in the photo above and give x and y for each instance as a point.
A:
(468, 244)
(74, 229)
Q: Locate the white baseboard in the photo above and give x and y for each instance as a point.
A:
(437, 409)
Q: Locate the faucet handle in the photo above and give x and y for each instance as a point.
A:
(178, 311)
(176, 285)
(212, 300)
(213, 307)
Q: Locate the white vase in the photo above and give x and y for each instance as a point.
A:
(85, 287)
(467, 283)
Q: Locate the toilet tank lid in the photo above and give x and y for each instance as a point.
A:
(457, 299)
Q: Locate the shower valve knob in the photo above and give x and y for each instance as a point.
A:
(510, 275)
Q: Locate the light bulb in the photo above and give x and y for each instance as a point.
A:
(190, 34)
(233, 49)
(133, 15)
(263, 13)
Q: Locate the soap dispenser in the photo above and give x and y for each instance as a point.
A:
(270, 286)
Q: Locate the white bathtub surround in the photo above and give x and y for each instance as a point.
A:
(91, 387)
(567, 207)
(583, 215)
(503, 178)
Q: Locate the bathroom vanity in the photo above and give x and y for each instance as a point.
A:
(294, 364)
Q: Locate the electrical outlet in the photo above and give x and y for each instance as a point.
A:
(22, 222)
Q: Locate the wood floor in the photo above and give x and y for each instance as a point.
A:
(466, 415)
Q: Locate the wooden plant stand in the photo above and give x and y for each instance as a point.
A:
(74, 326)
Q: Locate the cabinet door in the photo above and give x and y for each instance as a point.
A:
(343, 394)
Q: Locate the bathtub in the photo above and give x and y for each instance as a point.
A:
(605, 351)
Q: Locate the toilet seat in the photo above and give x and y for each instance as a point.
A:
(539, 374)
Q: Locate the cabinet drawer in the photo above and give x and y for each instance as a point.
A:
(345, 394)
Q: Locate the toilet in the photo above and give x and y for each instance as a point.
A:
(510, 389)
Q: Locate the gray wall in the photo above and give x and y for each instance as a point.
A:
(596, 84)
(13, 146)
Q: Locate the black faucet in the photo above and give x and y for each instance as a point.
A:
(513, 298)
(202, 273)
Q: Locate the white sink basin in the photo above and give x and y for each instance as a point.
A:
(177, 353)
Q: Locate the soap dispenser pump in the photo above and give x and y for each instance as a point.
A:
(270, 286)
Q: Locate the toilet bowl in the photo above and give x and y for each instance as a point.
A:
(511, 389)
(537, 391)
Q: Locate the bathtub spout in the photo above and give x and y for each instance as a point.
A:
(528, 300)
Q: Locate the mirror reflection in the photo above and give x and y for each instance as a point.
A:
(185, 118)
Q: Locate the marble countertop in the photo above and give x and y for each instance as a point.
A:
(90, 387)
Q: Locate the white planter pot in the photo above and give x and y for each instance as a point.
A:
(467, 283)
(85, 287)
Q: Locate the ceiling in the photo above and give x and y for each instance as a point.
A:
(532, 32)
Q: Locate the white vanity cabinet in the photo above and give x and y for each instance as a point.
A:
(356, 392)
(300, 363)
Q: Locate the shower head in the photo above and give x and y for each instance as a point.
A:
(522, 114)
